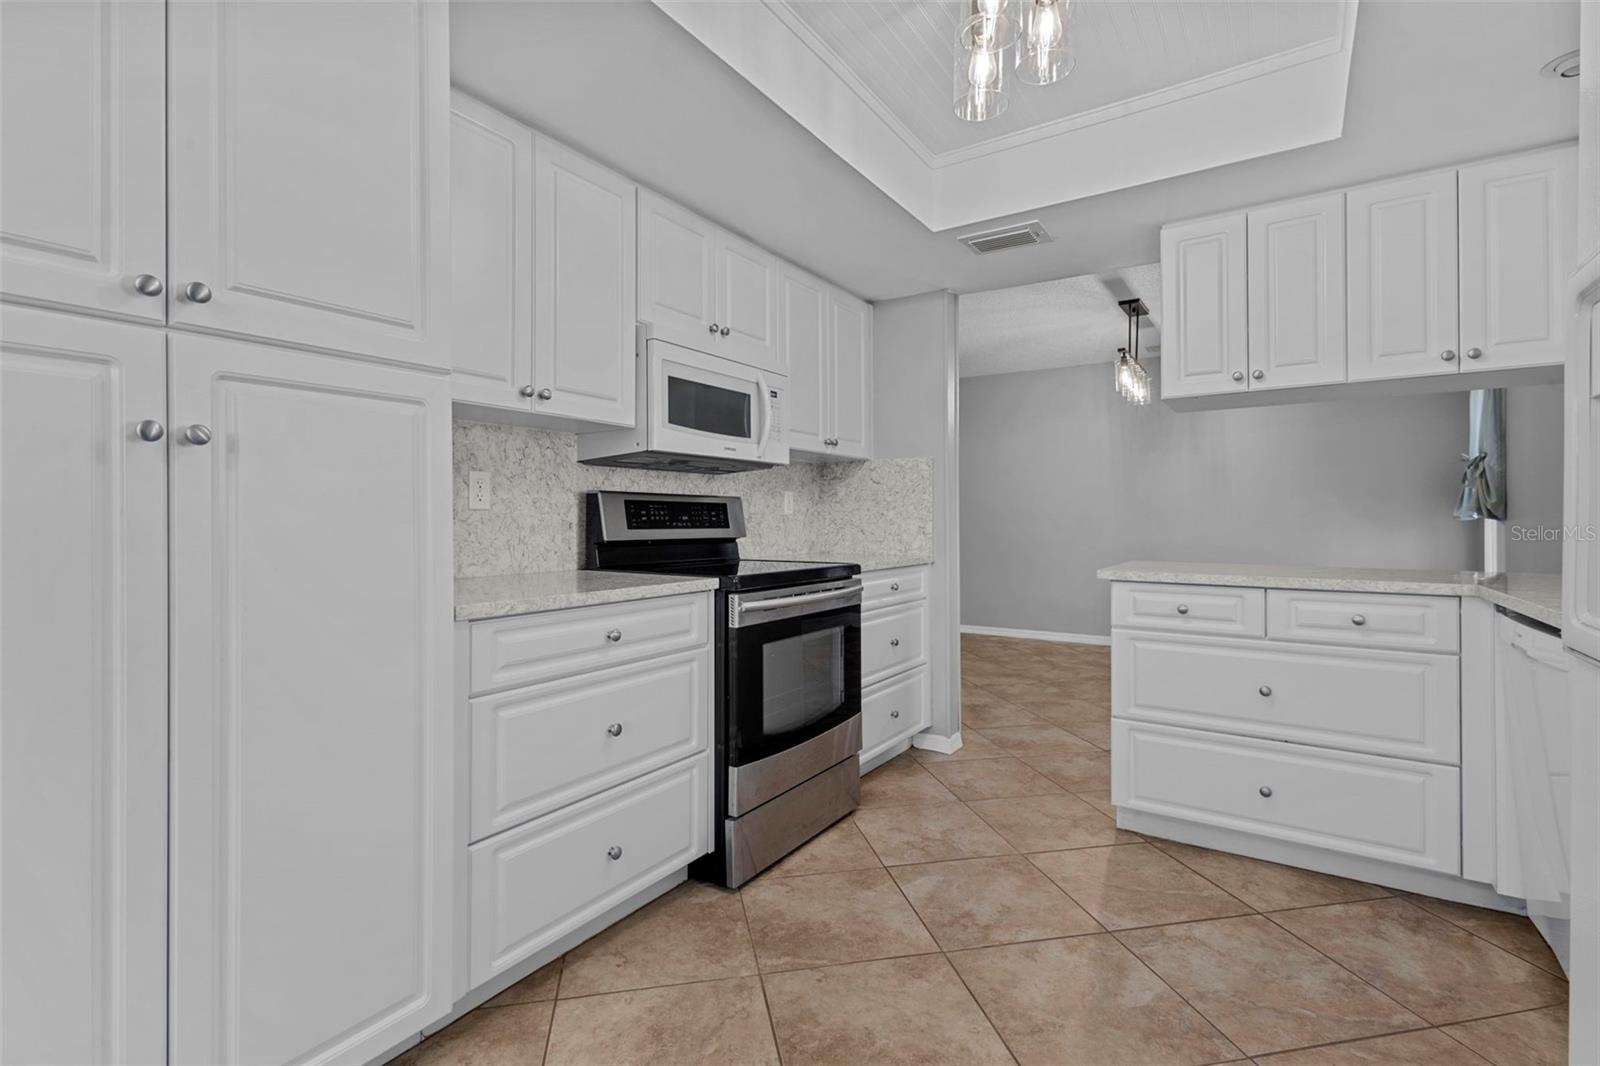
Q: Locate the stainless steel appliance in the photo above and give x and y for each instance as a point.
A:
(788, 652)
(696, 412)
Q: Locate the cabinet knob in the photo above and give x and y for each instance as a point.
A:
(148, 285)
(1183, 608)
(894, 586)
(197, 434)
(613, 853)
(150, 430)
(526, 391)
(1258, 374)
(1266, 791)
(1358, 619)
(614, 635)
(615, 729)
(545, 394)
(894, 714)
(724, 331)
(715, 327)
(894, 642)
(1265, 690)
(197, 292)
(1474, 353)
(1238, 375)
(832, 442)
(1448, 355)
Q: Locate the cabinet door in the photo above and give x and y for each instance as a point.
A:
(803, 308)
(311, 705)
(747, 303)
(586, 288)
(850, 376)
(491, 255)
(310, 173)
(83, 687)
(1297, 309)
(1517, 220)
(1401, 244)
(1205, 344)
(1580, 559)
(677, 273)
(83, 174)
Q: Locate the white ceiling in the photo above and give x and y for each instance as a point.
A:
(1067, 322)
(1431, 83)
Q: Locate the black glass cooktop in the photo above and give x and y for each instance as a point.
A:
(745, 575)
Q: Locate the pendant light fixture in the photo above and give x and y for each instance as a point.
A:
(1132, 380)
(993, 37)
(1043, 52)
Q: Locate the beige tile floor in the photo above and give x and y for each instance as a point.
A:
(982, 907)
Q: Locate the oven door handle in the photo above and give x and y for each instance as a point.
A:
(795, 601)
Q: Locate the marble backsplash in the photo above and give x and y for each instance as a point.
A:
(535, 519)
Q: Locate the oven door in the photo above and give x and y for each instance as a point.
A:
(793, 686)
(700, 404)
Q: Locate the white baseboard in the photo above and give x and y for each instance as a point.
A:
(1038, 634)
(934, 742)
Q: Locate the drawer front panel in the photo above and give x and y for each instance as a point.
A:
(540, 647)
(1383, 702)
(888, 587)
(1189, 608)
(893, 640)
(537, 749)
(1388, 809)
(1410, 623)
(894, 710)
(534, 884)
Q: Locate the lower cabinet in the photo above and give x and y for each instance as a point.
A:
(895, 703)
(893, 710)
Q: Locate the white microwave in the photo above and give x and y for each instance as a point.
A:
(697, 413)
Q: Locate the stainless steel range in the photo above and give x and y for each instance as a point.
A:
(788, 692)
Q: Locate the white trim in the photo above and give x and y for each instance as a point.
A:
(934, 742)
(1039, 634)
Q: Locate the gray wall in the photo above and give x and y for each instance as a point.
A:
(1060, 477)
(1533, 476)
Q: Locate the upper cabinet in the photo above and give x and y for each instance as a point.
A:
(747, 304)
(825, 340)
(309, 174)
(83, 222)
(850, 336)
(1434, 274)
(1203, 322)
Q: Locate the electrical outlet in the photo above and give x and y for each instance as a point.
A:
(478, 490)
(788, 503)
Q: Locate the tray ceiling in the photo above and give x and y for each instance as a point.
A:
(1161, 88)
(1067, 322)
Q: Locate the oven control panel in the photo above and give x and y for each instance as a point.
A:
(675, 514)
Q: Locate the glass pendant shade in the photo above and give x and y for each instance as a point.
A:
(980, 62)
(1044, 52)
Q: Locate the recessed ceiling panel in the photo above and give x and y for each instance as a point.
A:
(1066, 322)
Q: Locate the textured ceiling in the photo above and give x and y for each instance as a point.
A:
(1067, 322)
(899, 53)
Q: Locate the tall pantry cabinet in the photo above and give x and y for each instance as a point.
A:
(224, 530)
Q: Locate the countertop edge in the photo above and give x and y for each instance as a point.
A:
(485, 610)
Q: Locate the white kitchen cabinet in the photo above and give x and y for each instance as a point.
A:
(803, 336)
(1296, 268)
(585, 288)
(747, 304)
(309, 174)
(892, 711)
(1533, 766)
(1402, 294)
(1205, 345)
(895, 692)
(83, 688)
(491, 256)
(1517, 221)
(83, 174)
(677, 273)
(311, 716)
(850, 330)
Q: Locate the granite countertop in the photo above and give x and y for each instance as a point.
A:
(1536, 596)
(507, 594)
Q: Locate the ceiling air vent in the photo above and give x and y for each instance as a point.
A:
(998, 240)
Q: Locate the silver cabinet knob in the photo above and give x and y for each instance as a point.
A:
(1238, 375)
(724, 331)
(526, 391)
(545, 394)
(1265, 690)
(197, 292)
(714, 327)
(615, 729)
(832, 442)
(894, 714)
(894, 642)
(1258, 374)
(1358, 619)
(197, 434)
(613, 853)
(894, 586)
(614, 635)
(150, 430)
(148, 285)
(1183, 608)
(1474, 353)
(1448, 355)
(1266, 791)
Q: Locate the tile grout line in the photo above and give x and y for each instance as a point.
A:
(761, 979)
(1471, 932)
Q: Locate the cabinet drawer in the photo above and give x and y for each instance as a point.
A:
(894, 710)
(892, 640)
(540, 647)
(537, 749)
(1190, 608)
(534, 884)
(1382, 702)
(1393, 810)
(1413, 623)
(893, 586)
